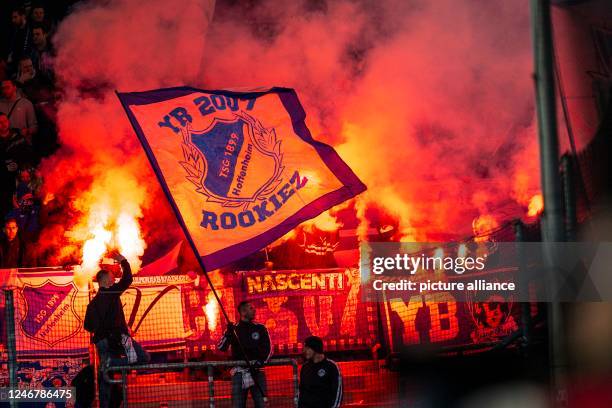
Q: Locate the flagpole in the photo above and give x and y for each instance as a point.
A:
(192, 245)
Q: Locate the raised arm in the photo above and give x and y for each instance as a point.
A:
(126, 277)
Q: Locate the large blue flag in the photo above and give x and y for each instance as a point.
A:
(240, 169)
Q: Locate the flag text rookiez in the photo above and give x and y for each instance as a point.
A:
(240, 169)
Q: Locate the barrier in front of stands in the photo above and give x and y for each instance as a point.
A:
(278, 396)
(42, 340)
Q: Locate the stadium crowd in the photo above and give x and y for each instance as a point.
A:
(28, 107)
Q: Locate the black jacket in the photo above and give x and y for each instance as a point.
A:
(13, 148)
(320, 385)
(20, 44)
(13, 253)
(104, 317)
(254, 338)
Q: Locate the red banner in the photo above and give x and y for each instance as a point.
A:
(291, 304)
(443, 320)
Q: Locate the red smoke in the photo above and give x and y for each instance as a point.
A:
(431, 103)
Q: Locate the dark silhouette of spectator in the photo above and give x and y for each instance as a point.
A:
(20, 43)
(37, 88)
(29, 184)
(13, 250)
(38, 13)
(41, 51)
(39, 16)
(19, 110)
(85, 387)
(27, 120)
(40, 90)
(14, 152)
(26, 204)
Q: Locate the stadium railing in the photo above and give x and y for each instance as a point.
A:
(278, 395)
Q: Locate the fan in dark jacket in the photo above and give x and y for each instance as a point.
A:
(254, 339)
(14, 252)
(320, 378)
(105, 319)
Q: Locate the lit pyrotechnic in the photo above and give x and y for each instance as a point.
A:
(424, 134)
(212, 312)
(536, 205)
(110, 211)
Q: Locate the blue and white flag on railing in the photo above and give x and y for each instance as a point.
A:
(240, 169)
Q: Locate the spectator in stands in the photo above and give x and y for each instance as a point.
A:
(13, 251)
(26, 203)
(254, 339)
(29, 184)
(25, 72)
(41, 91)
(20, 43)
(14, 152)
(19, 110)
(37, 88)
(42, 52)
(320, 378)
(37, 14)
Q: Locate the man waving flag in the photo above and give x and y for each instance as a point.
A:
(240, 168)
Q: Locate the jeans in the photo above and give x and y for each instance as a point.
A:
(239, 396)
(104, 354)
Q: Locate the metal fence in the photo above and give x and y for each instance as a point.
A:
(43, 345)
(216, 393)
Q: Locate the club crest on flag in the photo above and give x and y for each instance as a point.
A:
(240, 169)
(233, 162)
(47, 308)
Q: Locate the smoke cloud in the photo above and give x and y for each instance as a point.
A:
(105, 46)
(429, 102)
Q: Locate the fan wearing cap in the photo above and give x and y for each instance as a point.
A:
(320, 378)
